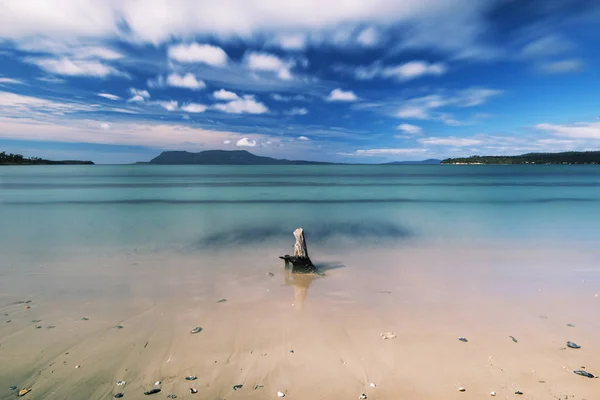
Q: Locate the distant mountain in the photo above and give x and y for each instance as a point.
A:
(221, 157)
(430, 161)
(569, 157)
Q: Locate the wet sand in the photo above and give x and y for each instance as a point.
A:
(305, 336)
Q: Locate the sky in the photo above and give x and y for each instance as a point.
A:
(338, 80)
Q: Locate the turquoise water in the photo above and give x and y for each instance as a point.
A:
(196, 208)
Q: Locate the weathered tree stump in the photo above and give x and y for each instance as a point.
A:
(299, 262)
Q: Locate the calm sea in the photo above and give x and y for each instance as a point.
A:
(55, 209)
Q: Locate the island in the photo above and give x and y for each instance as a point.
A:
(568, 157)
(18, 159)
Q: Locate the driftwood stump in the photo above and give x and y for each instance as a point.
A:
(299, 262)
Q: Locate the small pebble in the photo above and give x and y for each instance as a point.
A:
(571, 325)
(372, 385)
(514, 339)
(271, 274)
(157, 383)
(222, 301)
(8, 321)
(463, 339)
(78, 366)
(388, 335)
(23, 392)
(121, 383)
(280, 394)
(363, 396)
(85, 319)
(196, 330)
(519, 392)
(172, 396)
(191, 378)
(258, 387)
(237, 387)
(461, 389)
(193, 391)
(584, 373)
(13, 388)
(51, 327)
(119, 395)
(493, 394)
(38, 327)
(291, 351)
(118, 326)
(573, 345)
(152, 391)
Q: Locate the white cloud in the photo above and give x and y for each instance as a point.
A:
(561, 67)
(138, 95)
(226, 141)
(245, 142)
(75, 67)
(575, 131)
(292, 42)
(187, 81)
(303, 138)
(105, 125)
(194, 108)
(223, 94)
(410, 129)
(17, 105)
(11, 81)
(401, 72)
(549, 45)
(297, 111)
(412, 112)
(168, 105)
(450, 141)
(109, 96)
(368, 37)
(341, 95)
(198, 53)
(124, 111)
(267, 62)
(245, 105)
(391, 151)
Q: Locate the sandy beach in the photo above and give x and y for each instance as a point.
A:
(305, 336)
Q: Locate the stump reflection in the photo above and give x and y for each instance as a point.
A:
(301, 283)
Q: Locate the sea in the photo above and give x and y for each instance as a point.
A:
(58, 209)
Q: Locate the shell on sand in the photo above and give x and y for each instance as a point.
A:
(388, 335)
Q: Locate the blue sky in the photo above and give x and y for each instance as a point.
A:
(342, 80)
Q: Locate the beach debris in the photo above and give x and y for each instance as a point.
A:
(191, 378)
(193, 390)
(493, 394)
(299, 262)
(85, 319)
(196, 330)
(157, 383)
(362, 396)
(518, 392)
(23, 392)
(462, 389)
(573, 345)
(152, 391)
(388, 335)
(221, 301)
(238, 387)
(271, 274)
(280, 394)
(571, 325)
(372, 385)
(119, 395)
(118, 326)
(258, 387)
(172, 396)
(514, 339)
(463, 339)
(121, 383)
(584, 373)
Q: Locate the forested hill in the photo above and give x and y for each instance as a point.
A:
(18, 159)
(569, 157)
